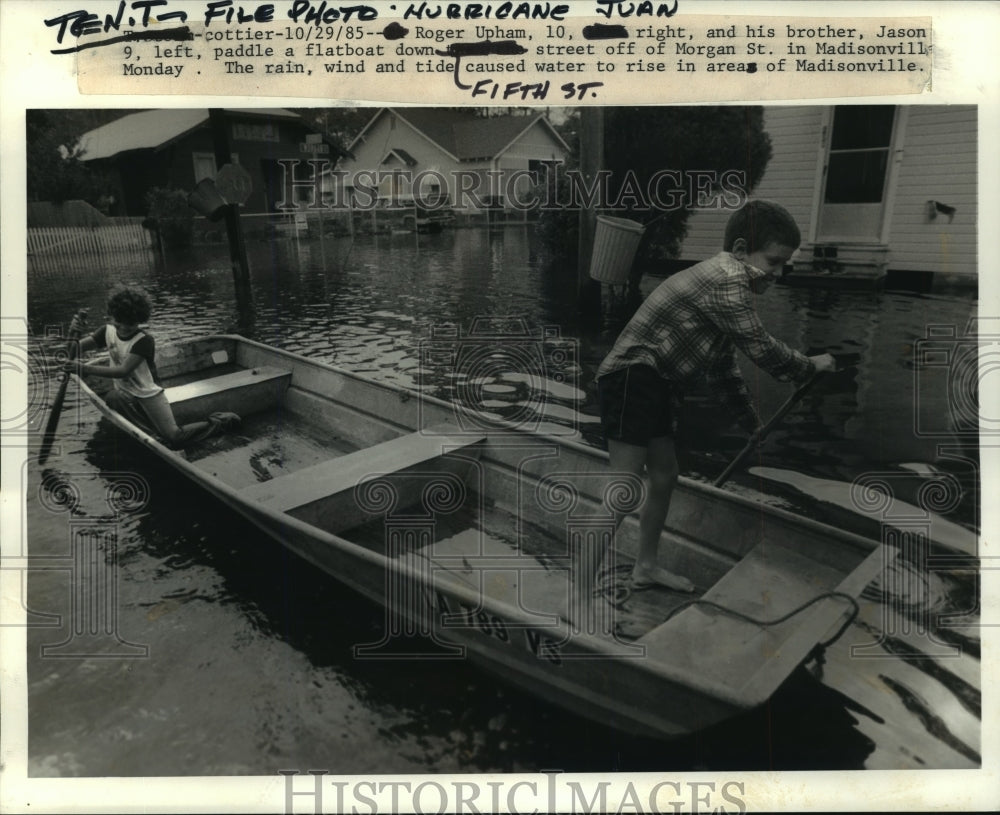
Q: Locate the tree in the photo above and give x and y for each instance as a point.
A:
(339, 126)
(55, 171)
(702, 143)
(698, 144)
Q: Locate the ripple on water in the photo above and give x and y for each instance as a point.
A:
(498, 389)
(372, 313)
(557, 390)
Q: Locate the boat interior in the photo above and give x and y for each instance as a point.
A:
(453, 498)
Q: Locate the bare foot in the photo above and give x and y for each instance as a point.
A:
(644, 577)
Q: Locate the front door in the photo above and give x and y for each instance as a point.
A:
(858, 151)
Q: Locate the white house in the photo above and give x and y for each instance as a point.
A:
(874, 189)
(448, 157)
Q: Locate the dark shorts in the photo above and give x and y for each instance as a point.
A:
(636, 405)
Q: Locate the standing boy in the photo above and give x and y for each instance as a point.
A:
(688, 329)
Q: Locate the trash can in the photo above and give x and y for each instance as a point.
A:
(615, 243)
(206, 200)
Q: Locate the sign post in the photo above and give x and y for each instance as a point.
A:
(237, 247)
(591, 162)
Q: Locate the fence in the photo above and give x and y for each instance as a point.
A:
(122, 242)
(120, 234)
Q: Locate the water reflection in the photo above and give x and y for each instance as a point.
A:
(369, 303)
(229, 609)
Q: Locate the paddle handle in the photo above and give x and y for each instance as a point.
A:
(762, 432)
(48, 436)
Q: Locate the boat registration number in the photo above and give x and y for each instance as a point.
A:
(455, 614)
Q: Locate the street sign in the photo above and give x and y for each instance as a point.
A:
(317, 149)
(234, 183)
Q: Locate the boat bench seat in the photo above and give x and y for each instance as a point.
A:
(243, 392)
(323, 494)
(771, 581)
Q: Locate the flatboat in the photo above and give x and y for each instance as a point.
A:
(473, 534)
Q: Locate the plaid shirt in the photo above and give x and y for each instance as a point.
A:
(691, 326)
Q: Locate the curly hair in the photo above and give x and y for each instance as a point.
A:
(760, 223)
(129, 305)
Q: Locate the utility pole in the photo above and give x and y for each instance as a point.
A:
(591, 163)
(237, 247)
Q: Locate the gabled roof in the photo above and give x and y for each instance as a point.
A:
(402, 155)
(154, 129)
(463, 135)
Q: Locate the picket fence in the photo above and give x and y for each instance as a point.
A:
(119, 234)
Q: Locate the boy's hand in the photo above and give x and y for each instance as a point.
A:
(74, 366)
(825, 363)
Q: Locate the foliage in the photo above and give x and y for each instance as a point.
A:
(174, 219)
(568, 127)
(644, 140)
(56, 174)
(55, 170)
(338, 125)
(710, 139)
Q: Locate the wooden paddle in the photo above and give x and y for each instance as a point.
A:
(50, 428)
(759, 435)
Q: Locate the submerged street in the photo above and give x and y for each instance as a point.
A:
(235, 657)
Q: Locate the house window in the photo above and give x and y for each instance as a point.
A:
(859, 153)
(255, 131)
(204, 165)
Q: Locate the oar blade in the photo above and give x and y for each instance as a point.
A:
(49, 434)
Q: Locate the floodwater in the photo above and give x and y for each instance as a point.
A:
(223, 654)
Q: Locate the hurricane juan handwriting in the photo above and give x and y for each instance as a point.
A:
(489, 58)
(131, 21)
(141, 14)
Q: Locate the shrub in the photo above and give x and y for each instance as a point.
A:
(173, 218)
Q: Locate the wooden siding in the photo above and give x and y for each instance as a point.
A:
(536, 143)
(135, 172)
(256, 157)
(788, 180)
(938, 164)
(384, 136)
